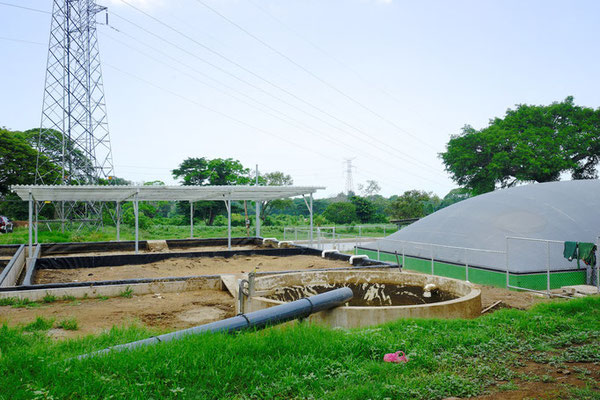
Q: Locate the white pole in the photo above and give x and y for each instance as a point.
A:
(191, 219)
(310, 209)
(257, 205)
(30, 224)
(507, 275)
(548, 267)
(136, 211)
(36, 222)
(118, 221)
(228, 224)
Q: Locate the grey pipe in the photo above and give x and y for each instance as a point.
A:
(258, 319)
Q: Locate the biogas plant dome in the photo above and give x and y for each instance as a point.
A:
(557, 211)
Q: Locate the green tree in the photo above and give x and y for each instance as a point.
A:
(454, 196)
(203, 172)
(340, 213)
(531, 143)
(364, 208)
(276, 178)
(413, 204)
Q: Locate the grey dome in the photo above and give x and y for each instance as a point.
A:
(560, 211)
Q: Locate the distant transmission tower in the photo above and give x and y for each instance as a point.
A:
(73, 143)
(349, 182)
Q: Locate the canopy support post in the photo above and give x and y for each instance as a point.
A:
(257, 205)
(191, 219)
(37, 211)
(118, 216)
(30, 224)
(228, 205)
(136, 211)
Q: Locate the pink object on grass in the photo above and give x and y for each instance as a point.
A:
(395, 357)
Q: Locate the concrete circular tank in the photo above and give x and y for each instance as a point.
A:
(380, 296)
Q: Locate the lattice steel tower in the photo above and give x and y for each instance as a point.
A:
(74, 132)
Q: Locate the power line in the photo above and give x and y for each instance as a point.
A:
(368, 83)
(25, 8)
(383, 147)
(180, 48)
(22, 41)
(244, 81)
(321, 134)
(311, 73)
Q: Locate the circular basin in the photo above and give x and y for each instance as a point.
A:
(379, 296)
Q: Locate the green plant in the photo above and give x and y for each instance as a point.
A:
(69, 324)
(48, 298)
(68, 298)
(127, 293)
(40, 324)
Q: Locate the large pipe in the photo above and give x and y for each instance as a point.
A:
(258, 319)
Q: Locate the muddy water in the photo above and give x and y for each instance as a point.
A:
(368, 294)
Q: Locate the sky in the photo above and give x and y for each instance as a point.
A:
(301, 86)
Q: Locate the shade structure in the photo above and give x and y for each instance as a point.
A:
(119, 194)
(475, 231)
(160, 193)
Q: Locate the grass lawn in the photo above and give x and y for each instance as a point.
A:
(107, 233)
(494, 353)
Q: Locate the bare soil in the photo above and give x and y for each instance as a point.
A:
(145, 251)
(509, 298)
(165, 311)
(544, 381)
(188, 267)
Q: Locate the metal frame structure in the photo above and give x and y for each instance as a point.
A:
(74, 129)
(135, 194)
(73, 142)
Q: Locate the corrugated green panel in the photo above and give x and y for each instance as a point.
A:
(450, 270)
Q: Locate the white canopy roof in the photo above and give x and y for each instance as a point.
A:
(155, 193)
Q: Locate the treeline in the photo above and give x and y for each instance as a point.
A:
(18, 159)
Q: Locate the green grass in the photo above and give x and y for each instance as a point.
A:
(127, 293)
(447, 358)
(107, 233)
(69, 324)
(48, 298)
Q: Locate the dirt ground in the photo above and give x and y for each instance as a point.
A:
(554, 385)
(144, 251)
(188, 267)
(169, 311)
(509, 298)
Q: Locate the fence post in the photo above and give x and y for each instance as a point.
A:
(506, 256)
(359, 231)
(598, 265)
(319, 238)
(403, 263)
(378, 257)
(548, 267)
(466, 266)
(296, 233)
(432, 271)
(384, 230)
(334, 242)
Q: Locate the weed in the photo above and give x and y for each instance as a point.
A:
(68, 324)
(40, 324)
(102, 298)
(25, 302)
(48, 298)
(127, 293)
(8, 301)
(68, 298)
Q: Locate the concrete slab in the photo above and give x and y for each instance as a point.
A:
(586, 290)
(230, 283)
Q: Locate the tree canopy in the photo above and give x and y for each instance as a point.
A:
(531, 143)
